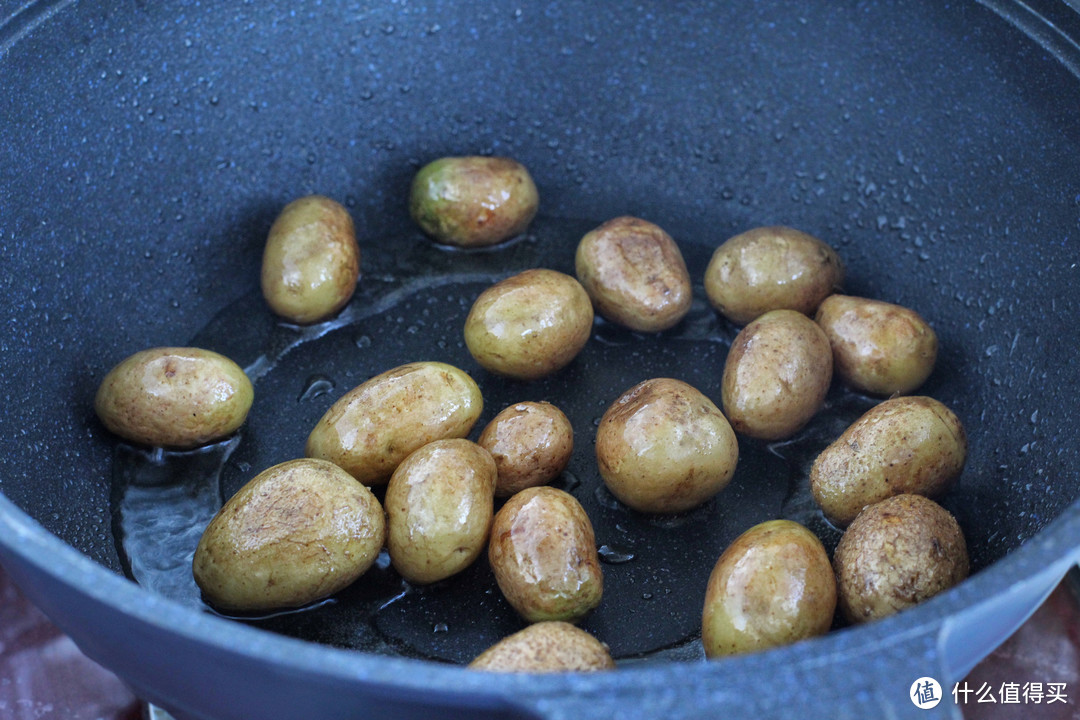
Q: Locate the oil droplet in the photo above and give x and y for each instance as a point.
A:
(615, 554)
(568, 481)
(363, 341)
(315, 386)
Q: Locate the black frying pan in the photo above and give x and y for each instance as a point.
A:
(147, 149)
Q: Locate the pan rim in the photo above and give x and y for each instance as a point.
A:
(1040, 556)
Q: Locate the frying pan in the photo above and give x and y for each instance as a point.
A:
(147, 147)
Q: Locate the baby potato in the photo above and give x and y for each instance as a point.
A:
(634, 274)
(896, 554)
(296, 533)
(530, 324)
(772, 586)
(175, 397)
(439, 504)
(543, 553)
(663, 447)
(473, 201)
(375, 426)
(771, 268)
(776, 375)
(878, 347)
(531, 443)
(908, 444)
(311, 262)
(551, 646)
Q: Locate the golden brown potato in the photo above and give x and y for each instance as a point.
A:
(529, 325)
(896, 554)
(375, 426)
(771, 268)
(776, 375)
(531, 443)
(439, 504)
(878, 347)
(772, 586)
(909, 444)
(664, 447)
(296, 533)
(543, 647)
(311, 262)
(175, 397)
(473, 201)
(543, 553)
(634, 274)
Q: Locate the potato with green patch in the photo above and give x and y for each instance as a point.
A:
(529, 325)
(896, 554)
(296, 533)
(664, 447)
(174, 397)
(772, 586)
(634, 274)
(771, 268)
(531, 443)
(377, 424)
(878, 347)
(545, 647)
(473, 201)
(543, 553)
(776, 375)
(439, 504)
(311, 262)
(908, 444)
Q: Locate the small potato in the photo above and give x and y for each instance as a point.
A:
(375, 426)
(296, 533)
(663, 447)
(776, 375)
(175, 397)
(543, 553)
(878, 347)
(909, 444)
(896, 554)
(439, 504)
(634, 274)
(771, 268)
(772, 586)
(531, 443)
(473, 201)
(529, 325)
(543, 647)
(311, 262)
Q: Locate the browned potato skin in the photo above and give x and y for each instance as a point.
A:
(896, 554)
(771, 268)
(908, 444)
(878, 347)
(439, 505)
(543, 553)
(311, 262)
(531, 443)
(377, 424)
(544, 647)
(772, 586)
(664, 447)
(296, 533)
(634, 274)
(529, 325)
(473, 201)
(776, 375)
(174, 397)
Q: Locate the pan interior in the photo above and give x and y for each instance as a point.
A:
(933, 146)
